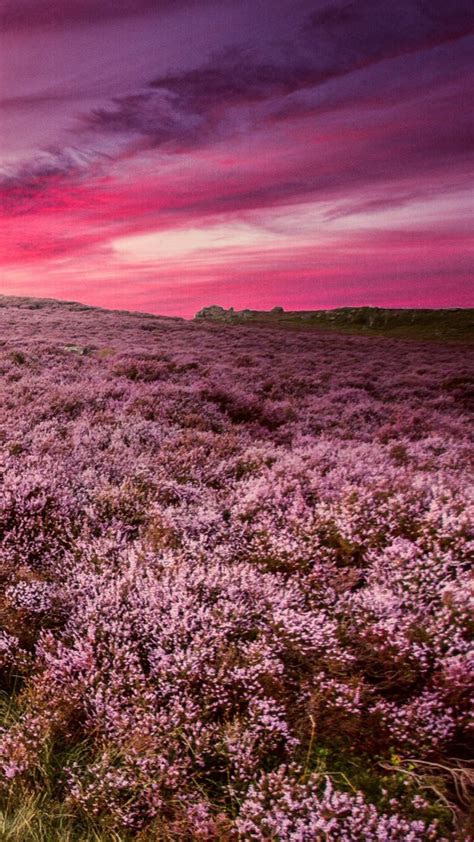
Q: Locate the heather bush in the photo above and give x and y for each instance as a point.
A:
(235, 583)
(281, 807)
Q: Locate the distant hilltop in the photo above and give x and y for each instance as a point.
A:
(454, 324)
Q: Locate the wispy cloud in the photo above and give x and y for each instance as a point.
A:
(15, 14)
(363, 110)
(239, 88)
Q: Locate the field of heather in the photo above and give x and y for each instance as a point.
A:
(235, 594)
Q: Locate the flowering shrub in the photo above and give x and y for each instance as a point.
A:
(235, 588)
(280, 807)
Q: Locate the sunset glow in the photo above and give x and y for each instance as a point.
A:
(165, 156)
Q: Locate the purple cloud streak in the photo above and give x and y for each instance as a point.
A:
(363, 109)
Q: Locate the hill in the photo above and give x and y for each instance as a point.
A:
(452, 325)
(234, 581)
(440, 325)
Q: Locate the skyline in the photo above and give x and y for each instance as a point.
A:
(165, 156)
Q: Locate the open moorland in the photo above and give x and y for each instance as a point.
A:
(235, 585)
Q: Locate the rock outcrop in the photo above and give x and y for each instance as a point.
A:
(455, 324)
(220, 314)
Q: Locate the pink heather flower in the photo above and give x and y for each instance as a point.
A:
(226, 551)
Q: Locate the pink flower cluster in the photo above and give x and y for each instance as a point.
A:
(282, 807)
(224, 549)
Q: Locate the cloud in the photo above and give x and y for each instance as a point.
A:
(28, 14)
(194, 106)
(365, 111)
(363, 31)
(333, 41)
(362, 157)
(239, 89)
(157, 116)
(393, 268)
(48, 179)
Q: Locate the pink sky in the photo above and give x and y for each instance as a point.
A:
(166, 156)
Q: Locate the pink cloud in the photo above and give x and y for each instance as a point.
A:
(306, 181)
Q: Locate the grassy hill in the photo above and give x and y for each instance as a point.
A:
(451, 325)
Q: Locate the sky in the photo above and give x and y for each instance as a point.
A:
(164, 155)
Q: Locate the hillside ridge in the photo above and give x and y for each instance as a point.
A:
(35, 303)
(454, 324)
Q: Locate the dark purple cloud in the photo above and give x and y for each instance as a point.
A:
(335, 41)
(192, 106)
(15, 14)
(370, 30)
(187, 111)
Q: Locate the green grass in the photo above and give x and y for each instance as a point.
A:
(443, 325)
(356, 772)
(33, 818)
